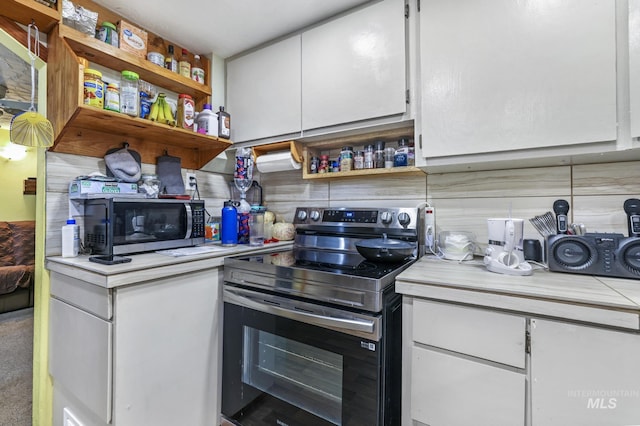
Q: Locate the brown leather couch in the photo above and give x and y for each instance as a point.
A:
(17, 260)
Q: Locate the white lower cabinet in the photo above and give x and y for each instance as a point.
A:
(584, 376)
(470, 365)
(142, 354)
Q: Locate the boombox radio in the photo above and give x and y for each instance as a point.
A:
(606, 254)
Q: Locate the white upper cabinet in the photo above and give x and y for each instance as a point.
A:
(634, 65)
(354, 67)
(504, 75)
(263, 91)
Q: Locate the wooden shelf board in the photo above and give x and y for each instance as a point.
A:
(23, 11)
(116, 59)
(92, 131)
(365, 172)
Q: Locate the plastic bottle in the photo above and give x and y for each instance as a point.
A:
(129, 95)
(224, 124)
(229, 225)
(207, 121)
(244, 218)
(70, 239)
(197, 69)
(184, 66)
(170, 61)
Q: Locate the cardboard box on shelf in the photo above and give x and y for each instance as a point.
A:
(132, 39)
(83, 188)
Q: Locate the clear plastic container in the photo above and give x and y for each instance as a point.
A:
(129, 94)
(256, 226)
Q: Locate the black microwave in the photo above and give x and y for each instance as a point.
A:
(114, 226)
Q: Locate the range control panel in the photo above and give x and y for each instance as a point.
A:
(391, 218)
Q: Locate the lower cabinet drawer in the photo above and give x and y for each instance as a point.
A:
(477, 332)
(447, 390)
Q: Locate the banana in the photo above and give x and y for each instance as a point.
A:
(153, 111)
(161, 117)
(168, 114)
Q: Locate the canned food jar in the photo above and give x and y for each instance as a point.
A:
(108, 33)
(93, 88)
(112, 97)
(156, 58)
(346, 159)
(186, 111)
(129, 95)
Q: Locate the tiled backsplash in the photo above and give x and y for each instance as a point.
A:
(463, 201)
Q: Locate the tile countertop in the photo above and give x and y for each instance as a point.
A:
(599, 300)
(150, 266)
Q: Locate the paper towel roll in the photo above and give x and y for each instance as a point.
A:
(277, 162)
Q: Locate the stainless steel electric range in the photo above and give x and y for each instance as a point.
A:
(312, 335)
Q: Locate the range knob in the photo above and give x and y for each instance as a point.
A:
(302, 215)
(315, 215)
(386, 218)
(404, 219)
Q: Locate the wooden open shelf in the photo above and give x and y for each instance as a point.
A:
(410, 170)
(25, 11)
(111, 57)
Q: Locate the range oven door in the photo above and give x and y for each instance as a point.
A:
(293, 363)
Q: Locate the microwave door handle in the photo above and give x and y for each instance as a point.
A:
(187, 207)
(357, 325)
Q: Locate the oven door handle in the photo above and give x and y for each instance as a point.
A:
(274, 305)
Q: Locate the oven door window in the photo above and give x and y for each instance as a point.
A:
(280, 371)
(301, 375)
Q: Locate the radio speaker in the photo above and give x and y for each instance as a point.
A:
(604, 254)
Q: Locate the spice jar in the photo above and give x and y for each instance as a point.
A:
(112, 97)
(313, 166)
(129, 95)
(402, 153)
(358, 160)
(324, 164)
(346, 159)
(378, 157)
(368, 157)
(186, 111)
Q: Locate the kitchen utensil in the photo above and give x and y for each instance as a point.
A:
(31, 128)
(385, 249)
(561, 208)
(544, 224)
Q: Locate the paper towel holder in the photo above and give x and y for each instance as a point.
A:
(278, 146)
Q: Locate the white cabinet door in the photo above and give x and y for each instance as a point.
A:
(634, 65)
(501, 75)
(167, 342)
(583, 376)
(263, 91)
(448, 390)
(353, 68)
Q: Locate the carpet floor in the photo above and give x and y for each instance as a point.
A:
(16, 367)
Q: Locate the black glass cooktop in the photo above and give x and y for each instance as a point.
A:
(329, 262)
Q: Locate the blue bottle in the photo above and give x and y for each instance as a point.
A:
(229, 225)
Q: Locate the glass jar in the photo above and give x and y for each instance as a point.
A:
(324, 164)
(402, 153)
(129, 94)
(112, 97)
(315, 163)
(389, 154)
(378, 156)
(368, 157)
(358, 160)
(346, 159)
(149, 185)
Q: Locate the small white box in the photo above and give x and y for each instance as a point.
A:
(86, 188)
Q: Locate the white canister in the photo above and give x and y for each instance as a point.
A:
(207, 121)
